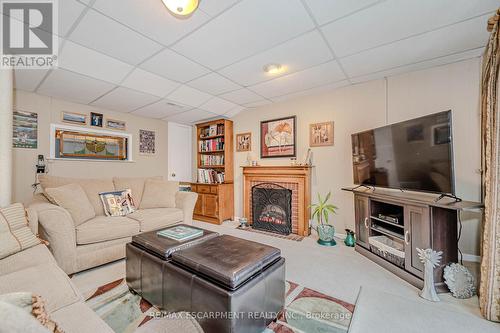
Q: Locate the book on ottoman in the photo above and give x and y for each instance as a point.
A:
(180, 233)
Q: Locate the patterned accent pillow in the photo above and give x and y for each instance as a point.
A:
(118, 203)
(15, 235)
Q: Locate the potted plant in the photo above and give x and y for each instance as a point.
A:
(321, 211)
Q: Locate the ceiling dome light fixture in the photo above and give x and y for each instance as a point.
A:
(273, 68)
(181, 8)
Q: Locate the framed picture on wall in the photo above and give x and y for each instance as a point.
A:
(321, 134)
(96, 119)
(147, 144)
(73, 118)
(244, 142)
(278, 137)
(116, 124)
(25, 130)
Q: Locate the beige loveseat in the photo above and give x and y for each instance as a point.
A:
(102, 239)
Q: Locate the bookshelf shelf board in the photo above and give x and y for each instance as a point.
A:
(211, 166)
(212, 137)
(212, 151)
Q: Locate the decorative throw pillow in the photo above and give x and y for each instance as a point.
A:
(15, 235)
(34, 307)
(118, 203)
(136, 185)
(72, 198)
(159, 194)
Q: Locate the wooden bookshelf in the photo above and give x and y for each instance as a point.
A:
(215, 200)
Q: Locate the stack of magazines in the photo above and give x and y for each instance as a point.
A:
(180, 233)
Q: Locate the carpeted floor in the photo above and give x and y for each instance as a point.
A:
(306, 310)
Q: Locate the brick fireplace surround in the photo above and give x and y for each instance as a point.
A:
(295, 178)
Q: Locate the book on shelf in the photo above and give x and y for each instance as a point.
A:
(211, 145)
(212, 130)
(180, 233)
(208, 160)
(210, 176)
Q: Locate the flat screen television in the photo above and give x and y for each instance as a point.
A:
(412, 155)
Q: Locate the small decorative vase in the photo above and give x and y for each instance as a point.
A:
(326, 233)
(350, 240)
(243, 222)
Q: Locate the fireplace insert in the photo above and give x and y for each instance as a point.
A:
(272, 208)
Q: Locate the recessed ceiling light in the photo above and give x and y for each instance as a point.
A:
(181, 8)
(273, 68)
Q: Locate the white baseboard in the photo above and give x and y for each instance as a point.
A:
(471, 257)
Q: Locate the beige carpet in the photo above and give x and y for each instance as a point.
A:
(380, 312)
(336, 271)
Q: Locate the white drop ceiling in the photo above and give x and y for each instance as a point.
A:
(133, 56)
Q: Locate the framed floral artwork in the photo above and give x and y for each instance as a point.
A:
(321, 134)
(278, 137)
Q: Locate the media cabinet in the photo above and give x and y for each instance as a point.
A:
(413, 219)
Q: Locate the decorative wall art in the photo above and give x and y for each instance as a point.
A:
(321, 134)
(116, 124)
(244, 142)
(72, 144)
(147, 142)
(73, 118)
(25, 130)
(96, 119)
(278, 137)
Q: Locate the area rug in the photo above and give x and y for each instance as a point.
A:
(306, 310)
(293, 237)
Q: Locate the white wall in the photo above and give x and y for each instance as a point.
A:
(373, 104)
(49, 111)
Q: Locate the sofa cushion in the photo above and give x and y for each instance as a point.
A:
(15, 235)
(159, 194)
(79, 318)
(72, 198)
(36, 255)
(92, 188)
(135, 184)
(104, 228)
(46, 280)
(157, 218)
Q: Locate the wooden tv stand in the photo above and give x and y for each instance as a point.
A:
(422, 223)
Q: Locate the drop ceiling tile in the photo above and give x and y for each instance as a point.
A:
(149, 83)
(214, 7)
(234, 112)
(258, 104)
(69, 11)
(151, 18)
(309, 78)
(161, 109)
(327, 10)
(174, 66)
(242, 96)
(313, 91)
(192, 116)
(456, 38)
(28, 79)
(214, 84)
(245, 29)
(107, 36)
(218, 105)
(421, 65)
(124, 100)
(189, 96)
(394, 19)
(302, 52)
(85, 61)
(73, 87)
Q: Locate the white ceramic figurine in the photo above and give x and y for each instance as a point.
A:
(430, 259)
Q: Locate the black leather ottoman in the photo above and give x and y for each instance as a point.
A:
(230, 284)
(145, 260)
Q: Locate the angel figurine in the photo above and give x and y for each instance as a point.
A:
(430, 259)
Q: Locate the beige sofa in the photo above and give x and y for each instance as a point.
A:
(35, 270)
(102, 239)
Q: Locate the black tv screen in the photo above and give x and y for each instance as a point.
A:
(414, 155)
